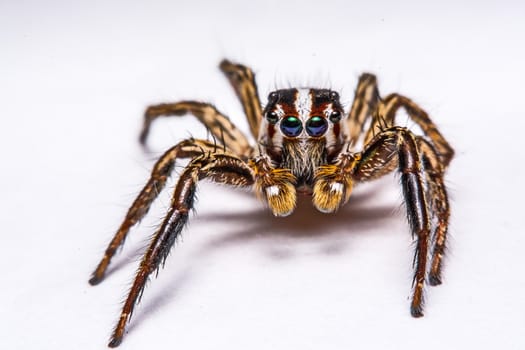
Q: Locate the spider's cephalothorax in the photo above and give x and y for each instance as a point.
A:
(302, 130)
(305, 144)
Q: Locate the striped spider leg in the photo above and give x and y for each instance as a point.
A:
(221, 128)
(221, 161)
(159, 175)
(217, 167)
(305, 145)
(421, 161)
(435, 150)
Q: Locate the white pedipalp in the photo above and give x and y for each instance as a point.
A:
(272, 191)
(336, 187)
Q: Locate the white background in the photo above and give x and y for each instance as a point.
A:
(75, 78)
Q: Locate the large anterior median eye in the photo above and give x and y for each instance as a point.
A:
(291, 126)
(316, 126)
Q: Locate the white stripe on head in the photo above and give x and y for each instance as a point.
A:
(328, 110)
(303, 103)
(279, 110)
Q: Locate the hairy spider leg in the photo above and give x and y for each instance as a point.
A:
(439, 201)
(365, 102)
(220, 126)
(221, 168)
(385, 117)
(420, 160)
(159, 175)
(242, 80)
(402, 142)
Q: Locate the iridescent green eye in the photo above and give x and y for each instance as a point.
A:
(316, 126)
(291, 126)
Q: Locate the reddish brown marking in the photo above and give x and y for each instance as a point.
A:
(271, 130)
(289, 109)
(319, 109)
(337, 130)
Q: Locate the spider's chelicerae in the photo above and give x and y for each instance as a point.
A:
(306, 144)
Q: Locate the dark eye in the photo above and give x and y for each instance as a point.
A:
(291, 126)
(316, 126)
(272, 117)
(334, 96)
(272, 96)
(335, 116)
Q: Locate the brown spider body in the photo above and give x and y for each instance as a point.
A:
(306, 144)
(318, 140)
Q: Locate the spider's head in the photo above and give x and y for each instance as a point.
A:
(302, 128)
(302, 115)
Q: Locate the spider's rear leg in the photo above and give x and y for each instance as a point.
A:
(365, 102)
(401, 143)
(242, 79)
(220, 168)
(385, 118)
(217, 123)
(439, 200)
(139, 208)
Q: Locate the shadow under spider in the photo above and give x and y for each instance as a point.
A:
(306, 223)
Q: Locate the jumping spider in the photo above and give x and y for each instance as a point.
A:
(306, 144)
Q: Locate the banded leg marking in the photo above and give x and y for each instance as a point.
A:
(221, 168)
(242, 80)
(159, 176)
(217, 123)
(402, 142)
(385, 118)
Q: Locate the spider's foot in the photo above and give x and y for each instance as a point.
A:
(98, 275)
(114, 342)
(94, 280)
(434, 279)
(416, 311)
(416, 306)
(143, 137)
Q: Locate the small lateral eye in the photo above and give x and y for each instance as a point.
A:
(291, 126)
(272, 96)
(334, 96)
(316, 126)
(272, 117)
(335, 116)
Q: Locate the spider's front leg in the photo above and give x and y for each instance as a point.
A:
(437, 193)
(220, 168)
(159, 175)
(399, 143)
(242, 79)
